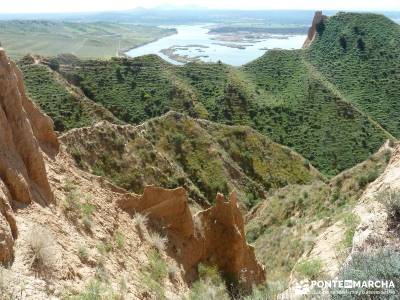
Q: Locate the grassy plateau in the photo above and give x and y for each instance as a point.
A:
(85, 40)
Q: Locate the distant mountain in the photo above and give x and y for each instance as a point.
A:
(179, 7)
(172, 15)
(185, 15)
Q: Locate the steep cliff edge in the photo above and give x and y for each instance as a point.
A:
(315, 26)
(24, 133)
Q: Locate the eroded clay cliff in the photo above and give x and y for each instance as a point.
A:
(312, 31)
(24, 133)
(214, 236)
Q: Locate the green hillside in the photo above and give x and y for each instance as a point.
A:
(301, 110)
(278, 94)
(66, 107)
(53, 98)
(176, 150)
(360, 55)
(327, 103)
(134, 90)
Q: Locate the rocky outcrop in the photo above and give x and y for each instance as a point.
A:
(214, 236)
(225, 243)
(312, 31)
(24, 132)
(170, 207)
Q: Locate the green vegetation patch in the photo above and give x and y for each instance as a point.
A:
(383, 265)
(53, 98)
(304, 112)
(280, 94)
(204, 157)
(359, 54)
(310, 269)
(335, 102)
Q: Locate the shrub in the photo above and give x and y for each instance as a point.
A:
(92, 291)
(154, 274)
(391, 200)
(141, 222)
(251, 200)
(75, 208)
(363, 180)
(343, 42)
(97, 290)
(335, 194)
(157, 267)
(209, 286)
(101, 271)
(383, 264)
(351, 221)
(309, 268)
(119, 239)
(104, 248)
(177, 141)
(86, 211)
(72, 202)
(157, 241)
(360, 44)
(42, 251)
(83, 253)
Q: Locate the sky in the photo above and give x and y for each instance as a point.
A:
(37, 6)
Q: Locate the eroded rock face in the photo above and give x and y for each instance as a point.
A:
(218, 237)
(225, 242)
(312, 31)
(24, 130)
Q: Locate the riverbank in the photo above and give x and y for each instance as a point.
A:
(194, 43)
(123, 51)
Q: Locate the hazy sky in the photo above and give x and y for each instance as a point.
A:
(34, 6)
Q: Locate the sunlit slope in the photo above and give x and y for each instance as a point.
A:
(280, 95)
(324, 102)
(300, 109)
(176, 150)
(360, 55)
(62, 102)
(134, 90)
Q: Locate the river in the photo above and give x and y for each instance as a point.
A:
(194, 41)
